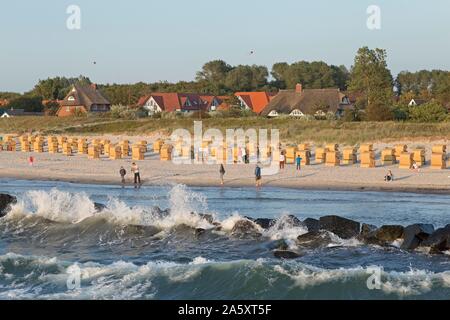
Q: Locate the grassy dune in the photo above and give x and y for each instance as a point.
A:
(291, 130)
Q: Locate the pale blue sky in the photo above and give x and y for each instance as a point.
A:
(149, 40)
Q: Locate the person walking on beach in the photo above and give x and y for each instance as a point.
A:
(31, 161)
(137, 175)
(298, 161)
(122, 173)
(258, 176)
(222, 173)
(282, 159)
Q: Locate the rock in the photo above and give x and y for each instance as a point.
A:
(414, 234)
(311, 224)
(199, 231)
(294, 221)
(438, 241)
(244, 227)
(285, 254)
(264, 223)
(280, 245)
(314, 239)
(208, 217)
(157, 212)
(6, 201)
(383, 235)
(342, 227)
(367, 228)
(99, 206)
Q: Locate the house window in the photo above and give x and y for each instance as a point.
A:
(67, 109)
(71, 98)
(296, 113)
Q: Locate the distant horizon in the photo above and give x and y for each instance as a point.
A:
(150, 41)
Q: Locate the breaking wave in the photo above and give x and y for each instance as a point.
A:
(30, 277)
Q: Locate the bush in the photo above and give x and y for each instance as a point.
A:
(400, 112)
(351, 115)
(122, 112)
(428, 112)
(199, 115)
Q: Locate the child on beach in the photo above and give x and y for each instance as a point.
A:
(122, 173)
(222, 173)
(258, 176)
(415, 166)
(299, 162)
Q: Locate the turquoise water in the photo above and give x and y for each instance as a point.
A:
(130, 252)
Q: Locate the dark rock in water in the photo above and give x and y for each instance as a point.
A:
(99, 206)
(208, 217)
(285, 254)
(159, 213)
(140, 230)
(438, 241)
(314, 239)
(244, 227)
(414, 234)
(342, 227)
(199, 231)
(264, 222)
(294, 221)
(280, 245)
(383, 235)
(311, 224)
(6, 201)
(367, 228)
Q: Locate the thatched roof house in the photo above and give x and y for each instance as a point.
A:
(83, 99)
(300, 102)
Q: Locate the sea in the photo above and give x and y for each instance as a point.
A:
(55, 245)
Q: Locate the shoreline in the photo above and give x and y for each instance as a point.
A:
(389, 187)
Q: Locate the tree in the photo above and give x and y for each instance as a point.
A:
(56, 88)
(428, 112)
(247, 78)
(371, 78)
(214, 71)
(312, 75)
(29, 104)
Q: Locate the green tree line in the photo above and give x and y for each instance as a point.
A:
(379, 96)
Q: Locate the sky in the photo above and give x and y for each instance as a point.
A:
(149, 40)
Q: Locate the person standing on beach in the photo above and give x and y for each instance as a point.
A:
(282, 158)
(31, 160)
(258, 176)
(137, 175)
(222, 173)
(299, 162)
(122, 173)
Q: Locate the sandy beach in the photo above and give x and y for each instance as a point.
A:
(78, 168)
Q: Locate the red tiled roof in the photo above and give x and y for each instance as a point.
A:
(256, 101)
(172, 101)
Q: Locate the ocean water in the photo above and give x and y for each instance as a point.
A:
(53, 237)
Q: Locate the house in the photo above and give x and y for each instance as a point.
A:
(83, 99)
(416, 102)
(4, 102)
(255, 101)
(213, 102)
(8, 113)
(300, 102)
(178, 102)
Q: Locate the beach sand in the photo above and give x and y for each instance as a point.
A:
(78, 168)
